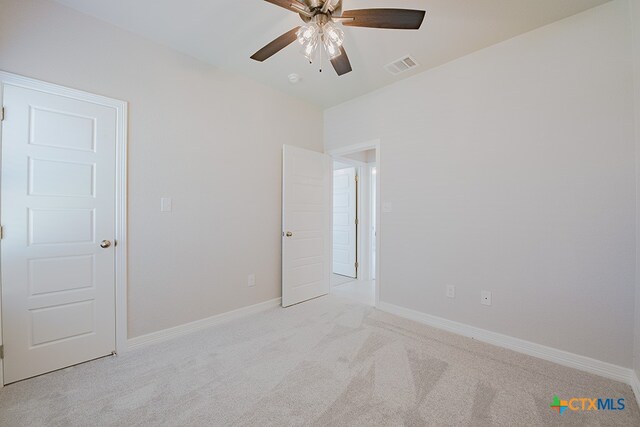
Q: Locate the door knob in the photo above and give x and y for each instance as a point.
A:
(105, 244)
(289, 234)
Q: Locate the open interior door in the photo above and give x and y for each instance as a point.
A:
(345, 222)
(306, 225)
(58, 204)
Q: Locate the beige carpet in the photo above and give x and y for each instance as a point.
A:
(337, 280)
(328, 362)
(362, 291)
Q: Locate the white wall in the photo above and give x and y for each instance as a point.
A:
(512, 170)
(210, 140)
(635, 24)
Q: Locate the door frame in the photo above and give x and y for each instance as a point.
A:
(336, 153)
(121, 108)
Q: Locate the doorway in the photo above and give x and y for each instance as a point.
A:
(355, 236)
(63, 210)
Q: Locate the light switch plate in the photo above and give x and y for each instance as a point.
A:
(251, 280)
(165, 204)
(387, 207)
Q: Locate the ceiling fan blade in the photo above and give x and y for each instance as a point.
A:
(292, 5)
(341, 63)
(276, 46)
(397, 19)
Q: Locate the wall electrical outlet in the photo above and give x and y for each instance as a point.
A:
(251, 280)
(485, 298)
(451, 291)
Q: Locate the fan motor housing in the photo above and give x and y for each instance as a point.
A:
(312, 4)
(315, 6)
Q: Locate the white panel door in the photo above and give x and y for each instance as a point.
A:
(306, 221)
(344, 222)
(57, 207)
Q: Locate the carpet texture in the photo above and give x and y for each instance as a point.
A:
(328, 362)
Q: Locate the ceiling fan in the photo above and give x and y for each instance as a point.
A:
(321, 31)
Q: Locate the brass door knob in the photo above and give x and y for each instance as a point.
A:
(105, 244)
(289, 234)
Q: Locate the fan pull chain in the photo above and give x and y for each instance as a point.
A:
(321, 49)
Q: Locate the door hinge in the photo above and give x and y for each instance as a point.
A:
(1, 232)
(1, 351)
(2, 114)
(357, 178)
(357, 265)
(357, 221)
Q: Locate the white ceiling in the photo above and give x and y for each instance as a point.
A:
(226, 33)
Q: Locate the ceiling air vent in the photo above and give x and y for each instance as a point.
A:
(402, 65)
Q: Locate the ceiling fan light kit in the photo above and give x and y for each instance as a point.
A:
(322, 33)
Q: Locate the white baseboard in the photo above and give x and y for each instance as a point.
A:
(635, 385)
(187, 328)
(561, 357)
